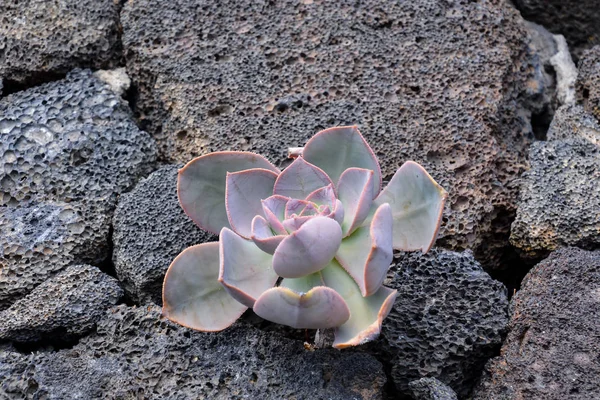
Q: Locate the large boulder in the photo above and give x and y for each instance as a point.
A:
(62, 308)
(559, 198)
(577, 20)
(43, 39)
(136, 354)
(551, 351)
(68, 149)
(150, 230)
(439, 82)
(588, 80)
(447, 321)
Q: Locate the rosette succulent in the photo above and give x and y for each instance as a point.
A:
(308, 247)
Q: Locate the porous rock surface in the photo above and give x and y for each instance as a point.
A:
(552, 349)
(150, 230)
(64, 307)
(68, 149)
(560, 198)
(573, 121)
(447, 321)
(39, 239)
(577, 20)
(588, 80)
(41, 39)
(438, 82)
(431, 389)
(137, 354)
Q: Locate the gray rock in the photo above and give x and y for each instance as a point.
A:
(560, 198)
(424, 80)
(150, 230)
(588, 81)
(63, 308)
(566, 72)
(40, 239)
(68, 149)
(73, 139)
(573, 121)
(447, 321)
(42, 39)
(431, 389)
(117, 79)
(551, 351)
(134, 353)
(577, 20)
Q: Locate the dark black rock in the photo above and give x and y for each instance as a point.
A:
(577, 20)
(68, 149)
(150, 230)
(551, 351)
(62, 308)
(43, 39)
(447, 321)
(137, 354)
(431, 389)
(438, 82)
(559, 198)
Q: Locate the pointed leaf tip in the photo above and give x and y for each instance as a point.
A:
(201, 185)
(417, 203)
(300, 179)
(334, 150)
(366, 313)
(245, 271)
(319, 308)
(244, 192)
(192, 294)
(367, 254)
(355, 190)
(309, 249)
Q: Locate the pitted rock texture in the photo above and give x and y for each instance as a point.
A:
(150, 230)
(68, 140)
(577, 20)
(41, 39)
(134, 353)
(437, 82)
(560, 198)
(38, 240)
(447, 321)
(62, 308)
(588, 80)
(431, 389)
(552, 349)
(68, 149)
(573, 121)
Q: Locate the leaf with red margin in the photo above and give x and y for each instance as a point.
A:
(201, 185)
(300, 179)
(192, 294)
(366, 313)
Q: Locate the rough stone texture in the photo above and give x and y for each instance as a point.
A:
(69, 140)
(41, 39)
(560, 198)
(40, 239)
(588, 81)
(68, 149)
(573, 121)
(577, 20)
(431, 389)
(64, 307)
(552, 349)
(438, 82)
(447, 321)
(135, 354)
(150, 230)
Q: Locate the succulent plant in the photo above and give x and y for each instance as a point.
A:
(323, 225)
